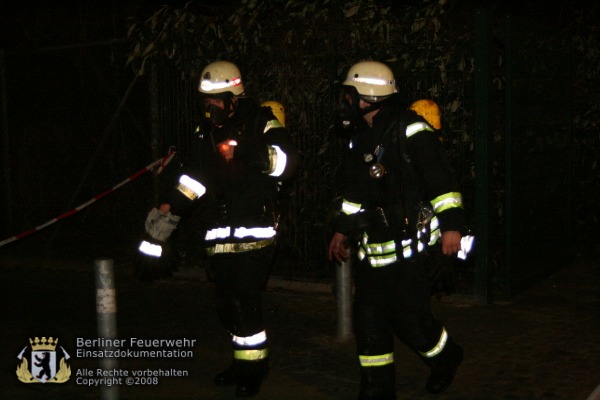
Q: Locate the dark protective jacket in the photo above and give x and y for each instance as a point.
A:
(384, 212)
(239, 197)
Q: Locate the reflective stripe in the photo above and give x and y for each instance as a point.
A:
(153, 250)
(406, 248)
(277, 161)
(225, 232)
(380, 248)
(437, 349)
(190, 188)
(382, 254)
(434, 231)
(221, 248)
(447, 201)
(417, 127)
(376, 361)
(274, 123)
(218, 233)
(208, 85)
(250, 355)
(349, 207)
(253, 340)
(434, 236)
(261, 233)
(466, 244)
(370, 81)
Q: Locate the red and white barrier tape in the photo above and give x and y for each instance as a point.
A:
(161, 163)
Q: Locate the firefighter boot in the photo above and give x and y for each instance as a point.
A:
(250, 376)
(443, 367)
(227, 377)
(377, 383)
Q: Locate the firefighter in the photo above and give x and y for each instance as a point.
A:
(429, 110)
(242, 154)
(277, 108)
(399, 195)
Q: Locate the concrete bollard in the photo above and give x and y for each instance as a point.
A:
(344, 299)
(106, 312)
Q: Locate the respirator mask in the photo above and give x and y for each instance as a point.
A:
(349, 113)
(219, 109)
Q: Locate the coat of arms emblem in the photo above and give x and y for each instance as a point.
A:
(42, 362)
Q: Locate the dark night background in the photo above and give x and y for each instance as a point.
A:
(77, 120)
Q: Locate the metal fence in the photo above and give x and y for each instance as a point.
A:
(79, 122)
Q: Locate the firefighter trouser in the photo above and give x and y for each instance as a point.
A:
(240, 279)
(393, 300)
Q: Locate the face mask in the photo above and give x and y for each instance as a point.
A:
(348, 113)
(216, 115)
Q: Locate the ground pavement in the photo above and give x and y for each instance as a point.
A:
(541, 344)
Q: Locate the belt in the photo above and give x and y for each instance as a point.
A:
(221, 248)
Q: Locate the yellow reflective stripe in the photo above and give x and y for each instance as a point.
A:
(434, 237)
(376, 361)
(382, 254)
(437, 349)
(380, 248)
(349, 207)
(190, 188)
(274, 123)
(221, 248)
(277, 161)
(382, 261)
(447, 201)
(417, 127)
(250, 355)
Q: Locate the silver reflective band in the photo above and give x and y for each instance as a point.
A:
(190, 188)
(370, 81)
(376, 361)
(218, 233)
(253, 340)
(466, 244)
(262, 233)
(225, 232)
(209, 86)
(437, 349)
(349, 207)
(417, 127)
(150, 249)
(277, 160)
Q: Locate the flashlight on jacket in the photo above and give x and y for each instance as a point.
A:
(226, 148)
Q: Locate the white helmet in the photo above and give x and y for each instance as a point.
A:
(221, 77)
(373, 80)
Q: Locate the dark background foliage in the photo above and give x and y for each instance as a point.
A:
(95, 91)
